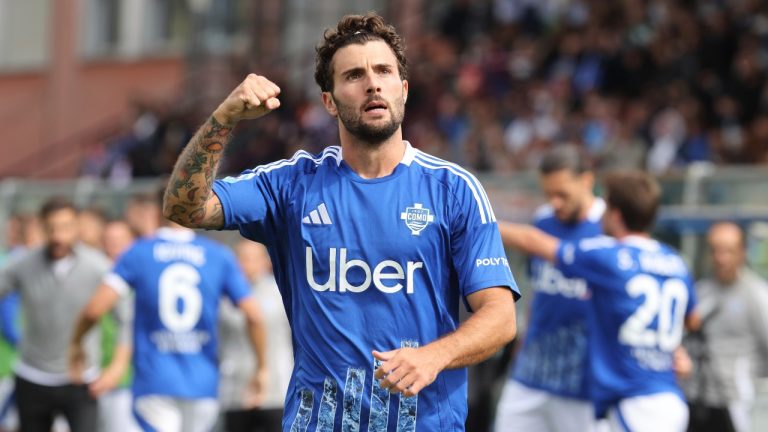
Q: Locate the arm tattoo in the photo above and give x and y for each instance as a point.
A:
(190, 185)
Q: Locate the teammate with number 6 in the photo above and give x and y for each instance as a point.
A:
(178, 279)
(641, 299)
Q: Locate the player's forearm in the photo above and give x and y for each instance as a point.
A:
(485, 332)
(256, 332)
(103, 301)
(693, 321)
(528, 239)
(258, 340)
(191, 184)
(121, 359)
(85, 323)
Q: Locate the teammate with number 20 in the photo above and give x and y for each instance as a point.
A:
(642, 297)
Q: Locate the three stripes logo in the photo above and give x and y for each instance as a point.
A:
(318, 216)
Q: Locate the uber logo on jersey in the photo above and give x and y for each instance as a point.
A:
(388, 270)
(417, 218)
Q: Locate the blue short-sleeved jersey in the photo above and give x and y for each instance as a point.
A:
(178, 279)
(641, 294)
(366, 265)
(553, 356)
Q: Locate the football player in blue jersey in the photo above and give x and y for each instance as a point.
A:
(375, 246)
(178, 279)
(547, 389)
(640, 298)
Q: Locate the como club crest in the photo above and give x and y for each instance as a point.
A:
(417, 218)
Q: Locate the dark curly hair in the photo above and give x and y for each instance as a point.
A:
(356, 29)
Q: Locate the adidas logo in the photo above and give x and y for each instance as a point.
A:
(318, 216)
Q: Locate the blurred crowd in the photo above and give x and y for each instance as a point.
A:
(656, 84)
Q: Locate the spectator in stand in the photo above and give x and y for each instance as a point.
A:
(697, 67)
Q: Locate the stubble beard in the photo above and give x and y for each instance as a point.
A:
(573, 217)
(372, 135)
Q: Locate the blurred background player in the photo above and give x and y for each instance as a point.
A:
(641, 296)
(115, 405)
(237, 362)
(547, 390)
(54, 283)
(143, 214)
(91, 222)
(178, 279)
(732, 347)
(116, 238)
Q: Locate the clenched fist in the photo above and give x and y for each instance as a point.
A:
(253, 98)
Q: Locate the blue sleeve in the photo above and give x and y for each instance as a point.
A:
(476, 249)
(692, 298)
(9, 319)
(588, 259)
(236, 286)
(251, 202)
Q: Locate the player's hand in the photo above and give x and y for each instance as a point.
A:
(682, 363)
(407, 370)
(253, 98)
(76, 362)
(256, 390)
(108, 380)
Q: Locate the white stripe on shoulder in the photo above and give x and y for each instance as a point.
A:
(471, 176)
(597, 210)
(117, 283)
(329, 152)
(599, 242)
(464, 175)
(544, 211)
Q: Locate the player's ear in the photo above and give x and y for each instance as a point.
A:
(330, 104)
(588, 177)
(405, 91)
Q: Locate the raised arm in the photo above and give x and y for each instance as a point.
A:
(529, 239)
(491, 326)
(189, 199)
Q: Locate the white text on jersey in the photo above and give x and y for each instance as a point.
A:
(548, 279)
(164, 252)
(663, 264)
(483, 262)
(387, 269)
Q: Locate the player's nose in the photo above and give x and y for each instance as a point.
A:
(373, 84)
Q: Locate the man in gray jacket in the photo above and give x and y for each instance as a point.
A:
(732, 346)
(54, 283)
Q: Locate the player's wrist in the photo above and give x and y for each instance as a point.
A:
(440, 353)
(221, 117)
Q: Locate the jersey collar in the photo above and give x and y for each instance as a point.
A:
(597, 210)
(175, 235)
(644, 243)
(410, 153)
